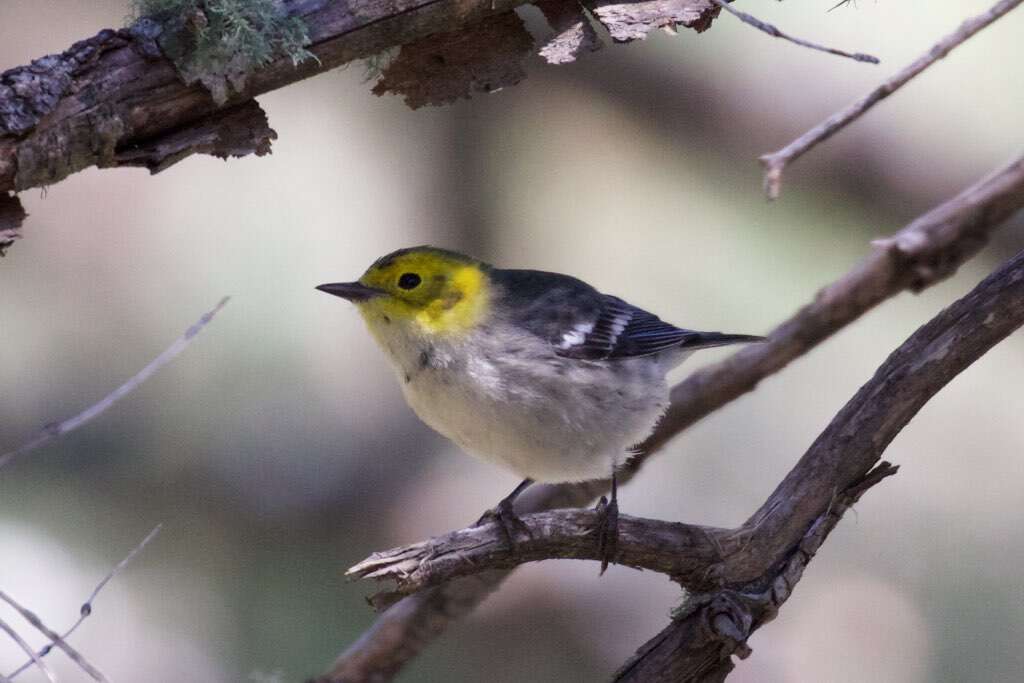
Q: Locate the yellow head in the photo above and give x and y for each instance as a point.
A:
(429, 291)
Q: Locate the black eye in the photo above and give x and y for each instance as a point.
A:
(409, 281)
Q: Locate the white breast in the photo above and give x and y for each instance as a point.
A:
(515, 403)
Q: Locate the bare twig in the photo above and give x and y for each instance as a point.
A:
(36, 659)
(52, 431)
(776, 33)
(776, 162)
(929, 248)
(55, 638)
(86, 608)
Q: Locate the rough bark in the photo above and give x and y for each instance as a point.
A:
(796, 518)
(115, 100)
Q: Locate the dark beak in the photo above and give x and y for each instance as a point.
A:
(353, 291)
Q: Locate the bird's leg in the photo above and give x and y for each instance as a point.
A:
(505, 515)
(608, 527)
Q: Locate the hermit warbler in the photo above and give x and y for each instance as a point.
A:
(535, 371)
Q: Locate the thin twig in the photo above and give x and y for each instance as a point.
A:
(776, 33)
(36, 659)
(52, 431)
(775, 163)
(55, 638)
(86, 608)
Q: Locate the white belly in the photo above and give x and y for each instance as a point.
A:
(552, 420)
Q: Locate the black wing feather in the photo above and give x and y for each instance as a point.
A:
(622, 330)
(582, 323)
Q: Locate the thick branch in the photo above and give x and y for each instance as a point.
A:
(711, 627)
(929, 248)
(792, 523)
(114, 100)
(683, 551)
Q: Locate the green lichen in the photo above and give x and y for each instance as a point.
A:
(375, 65)
(218, 42)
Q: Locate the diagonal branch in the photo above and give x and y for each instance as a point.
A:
(9, 630)
(86, 609)
(928, 249)
(775, 163)
(794, 521)
(54, 638)
(51, 432)
(774, 31)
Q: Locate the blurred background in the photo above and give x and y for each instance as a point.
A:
(277, 450)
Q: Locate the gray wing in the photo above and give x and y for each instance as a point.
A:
(582, 323)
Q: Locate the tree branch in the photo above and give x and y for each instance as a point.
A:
(561, 534)
(773, 31)
(86, 609)
(13, 634)
(115, 99)
(54, 430)
(926, 251)
(55, 638)
(776, 162)
(929, 248)
(796, 518)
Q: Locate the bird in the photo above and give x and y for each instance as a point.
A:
(535, 371)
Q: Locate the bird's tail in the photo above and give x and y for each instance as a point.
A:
(707, 340)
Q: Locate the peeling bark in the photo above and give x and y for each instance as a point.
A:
(445, 67)
(233, 132)
(574, 34)
(117, 98)
(627, 21)
(115, 91)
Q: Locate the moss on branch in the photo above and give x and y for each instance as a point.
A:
(219, 42)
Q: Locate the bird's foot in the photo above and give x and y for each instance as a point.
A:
(507, 520)
(607, 531)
